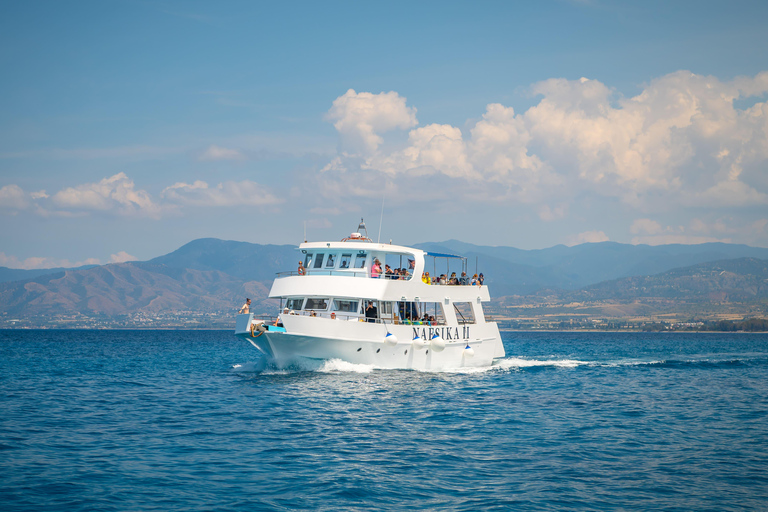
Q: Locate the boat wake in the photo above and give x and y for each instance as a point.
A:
(508, 364)
(266, 366)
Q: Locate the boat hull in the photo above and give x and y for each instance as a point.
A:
(353, 344)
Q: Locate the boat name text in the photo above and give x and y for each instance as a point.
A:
(447, 333)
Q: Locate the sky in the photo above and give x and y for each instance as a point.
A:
(129, 128)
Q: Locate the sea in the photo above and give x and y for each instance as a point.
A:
(198, 420)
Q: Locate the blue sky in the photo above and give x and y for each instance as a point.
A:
(130, 128)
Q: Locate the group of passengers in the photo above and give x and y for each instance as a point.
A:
(388, 272)
(402, 274)
(475, 280)
(415, 320)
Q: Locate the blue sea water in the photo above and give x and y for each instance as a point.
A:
(196, 420)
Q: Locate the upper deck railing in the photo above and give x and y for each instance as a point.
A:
(365, 273)
(345, 273)
(352, 317)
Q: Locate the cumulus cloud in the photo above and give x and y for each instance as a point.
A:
(677, 239)
(645, 226)
(547, 213)
(35, 262)
(228, 193)
(219, 153)
(680, 140)
(116, 193)
(680, 143)
(360, 118)
(12, 197)
(651, 232)
(121, 257)
(119, 195)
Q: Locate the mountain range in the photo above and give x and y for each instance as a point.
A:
(212, 275)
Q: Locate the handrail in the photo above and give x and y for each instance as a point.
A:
(343, 273)
(350, 317)
(360, 273)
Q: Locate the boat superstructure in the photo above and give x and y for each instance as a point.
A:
(342, 303)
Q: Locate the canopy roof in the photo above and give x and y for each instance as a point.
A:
(444, 255)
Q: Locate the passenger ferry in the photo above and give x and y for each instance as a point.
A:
(342, 304)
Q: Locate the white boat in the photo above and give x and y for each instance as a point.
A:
(341, 306)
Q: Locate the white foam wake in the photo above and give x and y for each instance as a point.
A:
(337, 365)
(517, 362)
(251, 366)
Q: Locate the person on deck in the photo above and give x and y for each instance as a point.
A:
(376, 270)
(246, 307)
(480, 279)
(371, 313)
(302, 270)
(464, 279)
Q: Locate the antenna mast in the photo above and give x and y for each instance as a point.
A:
(381, 219)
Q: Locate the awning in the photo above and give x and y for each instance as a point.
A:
(444, 255)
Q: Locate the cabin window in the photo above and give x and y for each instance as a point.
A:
(464, 313)
(317, 304)
(386, 310)
(319, 260)
(294, 303)
(408, 311)
(307, 260)
(401, 264)
(346, 260)
(346, 306)
(420, 313)
(360, 261)
(331, 262)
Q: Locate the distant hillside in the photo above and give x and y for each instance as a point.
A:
(18, 274)
(514, 271)
(742, 279)
(251, 262)
(214, 276)
(127, 287)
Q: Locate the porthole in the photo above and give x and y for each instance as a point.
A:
(406, 351)
(378, 350)
(361, 348)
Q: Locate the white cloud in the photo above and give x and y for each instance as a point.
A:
(432, 148)
(587, 237)
(116, 193)
(12, 197)
(228, 193)
(645, 226)
(40, 194)
(121, 257)
(219, 153)
(676, 239)
(727, 194)
(42, 262)
(548, 214)
(680, 141)
(361, 117)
